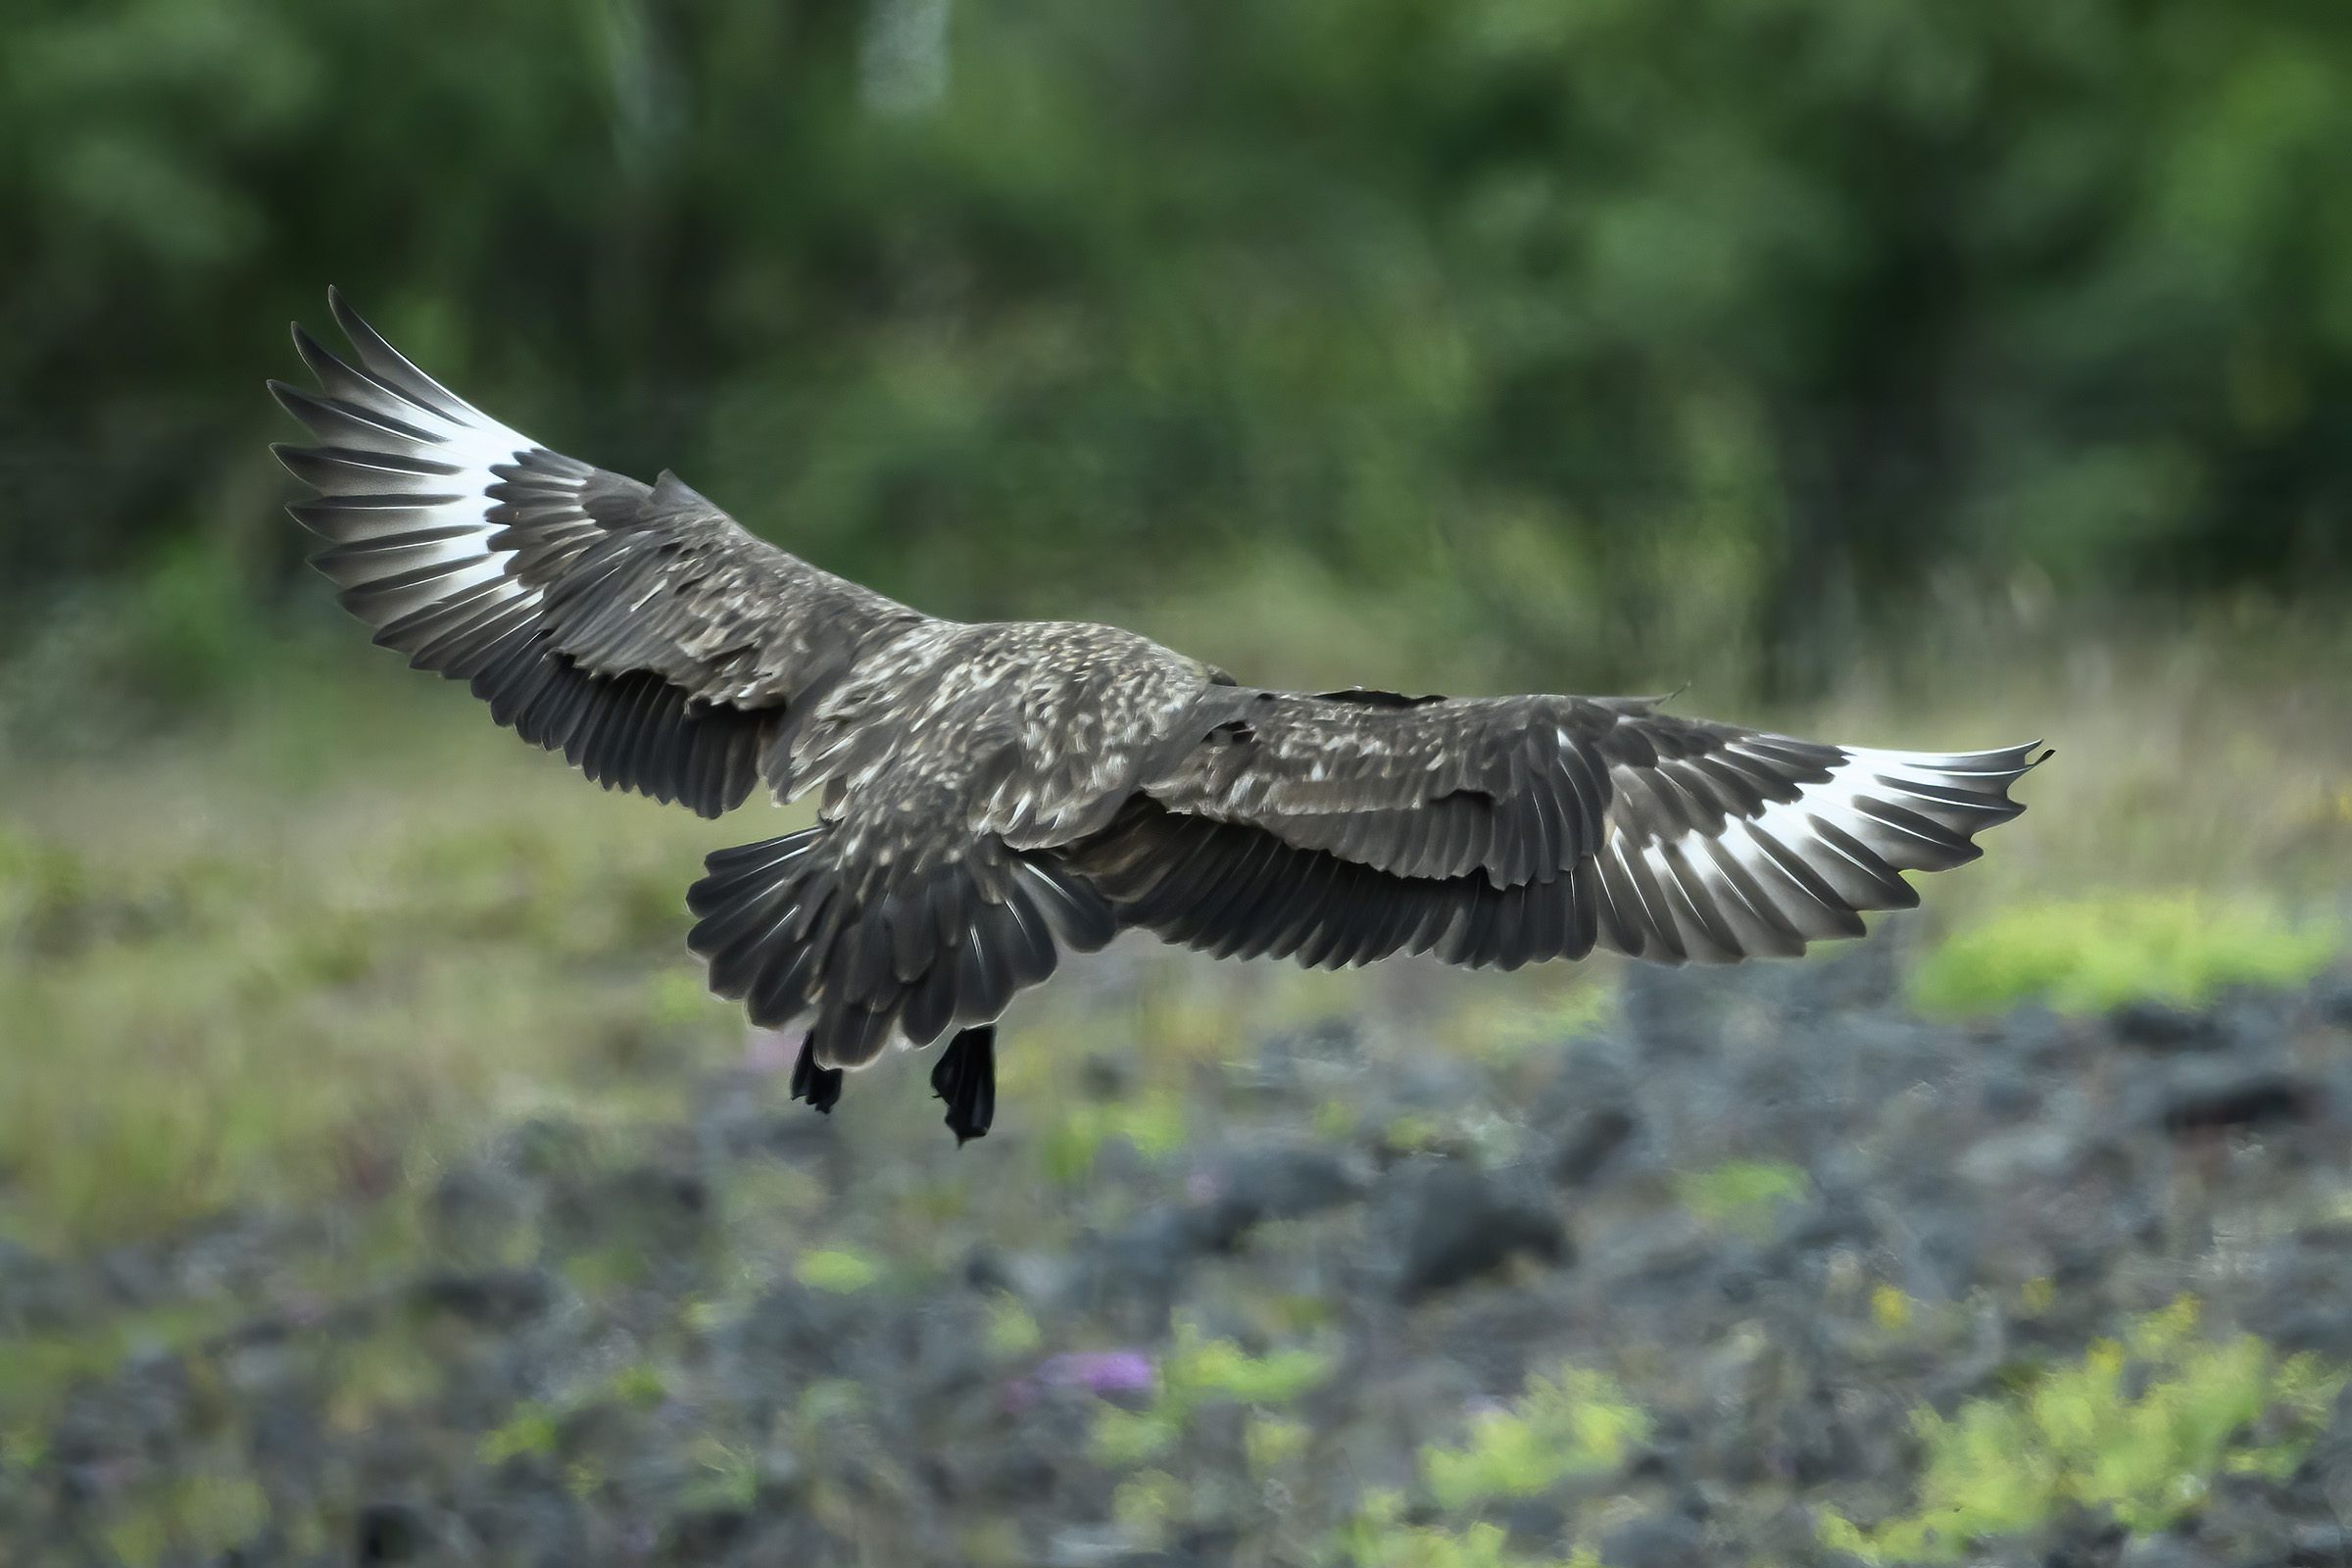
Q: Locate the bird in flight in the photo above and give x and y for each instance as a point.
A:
(993, 794)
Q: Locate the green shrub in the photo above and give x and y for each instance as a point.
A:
(1573, 1423)
(2078, 1437)
(1196, 1372)
(2088, 955)
(1576, 1423)
(1377, 1536)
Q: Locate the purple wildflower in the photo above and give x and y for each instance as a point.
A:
(1101, 1373)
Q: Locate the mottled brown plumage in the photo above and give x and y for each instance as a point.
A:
(994, 794)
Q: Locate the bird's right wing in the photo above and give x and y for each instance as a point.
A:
(1345, 827)
(636, 628)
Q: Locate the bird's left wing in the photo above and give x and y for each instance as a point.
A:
(637, 628)
(1347, 826)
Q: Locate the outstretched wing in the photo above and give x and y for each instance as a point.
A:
(1343, 829)
(638, 629)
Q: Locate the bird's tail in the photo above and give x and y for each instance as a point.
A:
(790, 930)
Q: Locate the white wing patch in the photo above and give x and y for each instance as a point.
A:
(1799, 870)
(405, 472)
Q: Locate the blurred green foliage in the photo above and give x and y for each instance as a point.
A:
(1577, 1422)
(2088, 955)
(1380, 1536)
(1627, 336)
(2138, 1428)
(1741, 1195)
(1152, 1123)
(1199, 1370)
(840, 1270)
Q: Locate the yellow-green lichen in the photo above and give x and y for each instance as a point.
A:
(1741, 1195)
(1576, 1422)
(2088, 955)
(2079, 1436)
(1196, 1372)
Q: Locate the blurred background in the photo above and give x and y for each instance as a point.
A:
(377, 1182)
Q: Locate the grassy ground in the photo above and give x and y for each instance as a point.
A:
(298, 947)
(298, 960)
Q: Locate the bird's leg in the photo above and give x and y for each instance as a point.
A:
(967, 1079)
(819, 1086)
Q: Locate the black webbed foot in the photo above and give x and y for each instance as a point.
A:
(819, 1086)
(967, 1079)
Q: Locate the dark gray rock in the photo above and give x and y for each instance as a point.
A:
(2007, 1094)
(2161, 1026)
(1460, 1223)
(500, 1299)
(531, 1521)
(1591, 1141)
(2251, 1102)
(658, 1213)
(1655, 1540)
(2086, 1541)
(738, 1118)
(1534, 1524)
(794, 1333)
(39, 1294)
(478, 1213)
(1133, 1277)
(705, 1535)
(2320, 1544)
(1282, 1182)
(1674, 1014)
(391, 1533)
(2165, 1550)
(137, 1275)
(2306, 1303)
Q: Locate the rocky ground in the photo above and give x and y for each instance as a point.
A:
(1255, 1314)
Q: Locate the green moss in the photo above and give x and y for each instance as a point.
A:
(392, 1368)
(1743, 1196)
(1271, 1442)
(1221, 1369)
(1377, 1535)
(2076, 1437)
(196, 1516)
(2088, 955)
(1573, 1423)
(726, 1476)
(640, 1385)
(1129, 1436)
(1147, 1502)
(38, 1370)
(837, 1270)
(531, 1429)
(1411, 1131)
(1154, 1123)
(1011, 1331)
(1195, 1372)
